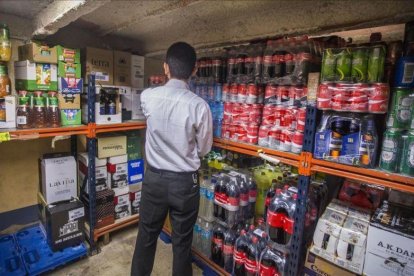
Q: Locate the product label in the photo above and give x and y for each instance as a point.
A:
(408, 76)
(404, 109)
(76, 213)
(218, 242)
(21, 120)
(251, 266)
(239, 256)
(101, 76)
(68, 228)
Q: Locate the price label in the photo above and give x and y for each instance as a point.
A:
(4, 136)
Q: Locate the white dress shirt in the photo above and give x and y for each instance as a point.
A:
(179, 127)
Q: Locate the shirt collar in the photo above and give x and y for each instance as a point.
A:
(175, 83)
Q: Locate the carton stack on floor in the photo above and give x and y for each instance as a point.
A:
(70, 85)
(119, 173)
(60, 211)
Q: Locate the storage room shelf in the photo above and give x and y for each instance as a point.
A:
(35, 133)
(121, 127)
(212, 265)
(391, 180)
(122, 223)
(249, 149)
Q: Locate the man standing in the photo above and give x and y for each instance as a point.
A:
(179, 133)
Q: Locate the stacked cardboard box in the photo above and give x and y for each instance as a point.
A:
(60, 211)
(70, 85)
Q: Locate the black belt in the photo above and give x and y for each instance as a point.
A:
(159, 171)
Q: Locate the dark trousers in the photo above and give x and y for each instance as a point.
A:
(162, 191)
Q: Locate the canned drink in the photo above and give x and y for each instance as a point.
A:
(286, 140)
(234, 93)
(251, 93)
(279, 113)
(400, 110)
(407, 160)
(412, 118)
(255, 114)
(275, 135)
(323, 103)
(252, 133)
(268, 117)
(290, 119)
(376, 62)
(343, 65)
(378, 98)
(270, 96)
(225, 95)
(237, 113)
(404, 72)
(301, 119)
(242, 93)
(242, 133)
(225, 131)
(246, 110)
(228, 112)
(328, 66)
(359, 64)
(282, 95)
(391, 150)
(263, 136)
(218, 92)
(232, 132)
(297, 142)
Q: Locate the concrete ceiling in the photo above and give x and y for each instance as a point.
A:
(149, 27)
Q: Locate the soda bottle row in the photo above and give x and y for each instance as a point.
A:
(286, 95)
(202, 236)
(209, 91)
(289, 61)
(358, 97)
(357, 64)
(37, 110)
(249, 93)
(213, 68)
(232, 202)
(244, 63)
(347, 138)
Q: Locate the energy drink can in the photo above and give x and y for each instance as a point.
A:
(343, 65)
(391, 150)
(359, 64)
(328, 66)
(376, 63)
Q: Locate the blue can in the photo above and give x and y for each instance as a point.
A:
(217, 92)
(404, 72)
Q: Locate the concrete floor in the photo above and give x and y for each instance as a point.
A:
(115, 258)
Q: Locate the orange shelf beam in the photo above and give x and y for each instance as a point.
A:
(116, 226)
(391, 180)
(284, 157)
(121, 127)
(34, 133)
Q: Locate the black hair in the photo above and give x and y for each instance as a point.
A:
(181, 59)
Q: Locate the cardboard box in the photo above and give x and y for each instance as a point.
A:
(64, 222)
(122, 206)
(70, 85)
(35, 76)
(69, 70)
(67, 54)
(105, 208)
(70, 117)
(316, 266)
(135, 171)
(111, 145)
(122, 68)
(10, 112)
(37, 53)
(132, 103)
(98, 62)
(101, 116)
(69, 101)
(137, 71)
(135, 198)
(134, 145)
(101, 173)
(351, 245)
(390, 242)
(118, 174)
(59, 180)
